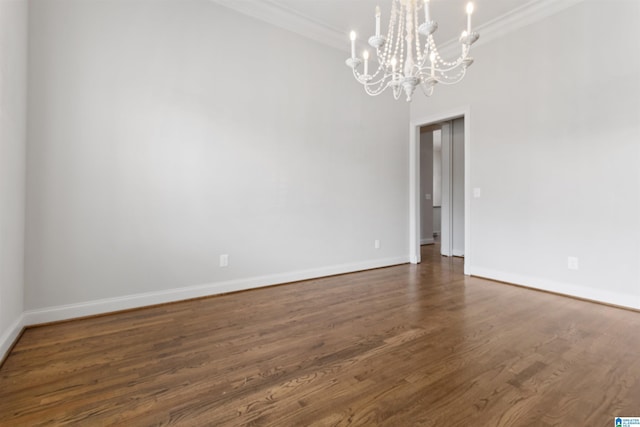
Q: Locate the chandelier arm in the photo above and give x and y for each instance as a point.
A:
(381, 82)
(447, 69)
(465, 50)
(356, 75)
(450, 65)
(448, 80)
(396, 92)
(376, 73)
(457, 80)
(427, 85)
(434, 48)
(427, 89)
(375, 92)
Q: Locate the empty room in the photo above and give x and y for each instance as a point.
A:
(322, 212)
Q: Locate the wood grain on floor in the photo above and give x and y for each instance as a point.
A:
(399, 346)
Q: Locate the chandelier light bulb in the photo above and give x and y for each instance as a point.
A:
(352, 36)
(365, 55)
(469, 7)
(469, 12)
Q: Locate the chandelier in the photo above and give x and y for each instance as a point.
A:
(402, 62)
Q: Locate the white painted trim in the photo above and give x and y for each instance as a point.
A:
(446, 211)
(10, 335)
(533, 11)
(90, 308)
(275, 14)
(467, 190)
(414, 178)
(615, 298)
(414, 193)
(291, 20)
(427, 241)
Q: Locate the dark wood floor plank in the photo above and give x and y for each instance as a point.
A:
(405, 345)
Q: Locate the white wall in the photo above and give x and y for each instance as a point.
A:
(13, 66)
(166, 133)
(555, 125)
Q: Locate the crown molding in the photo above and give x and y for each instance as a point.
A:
(273, 13)
(533, 11)
(527, 14)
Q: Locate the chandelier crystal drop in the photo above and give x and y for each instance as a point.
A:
(402, 61)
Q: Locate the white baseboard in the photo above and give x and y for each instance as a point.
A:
(90, 308)
(615, 298)
(10, 335)
(427, 241)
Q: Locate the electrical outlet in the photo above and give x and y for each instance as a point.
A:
(376, 244)
(572, 263)
(224, 260)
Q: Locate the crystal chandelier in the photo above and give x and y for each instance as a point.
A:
(402, 63)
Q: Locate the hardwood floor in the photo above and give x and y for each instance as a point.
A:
(399, 346)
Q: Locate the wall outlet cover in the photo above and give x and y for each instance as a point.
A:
(224, 260)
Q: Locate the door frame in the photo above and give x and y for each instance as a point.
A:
(446, 212)
(414, 179)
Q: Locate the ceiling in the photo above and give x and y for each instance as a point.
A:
(330, 21)
(345, 15)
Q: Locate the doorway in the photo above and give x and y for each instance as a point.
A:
(451, 133)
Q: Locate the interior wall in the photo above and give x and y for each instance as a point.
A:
(13, 70)
(555, 125)
(166, 133)
(426, 186)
